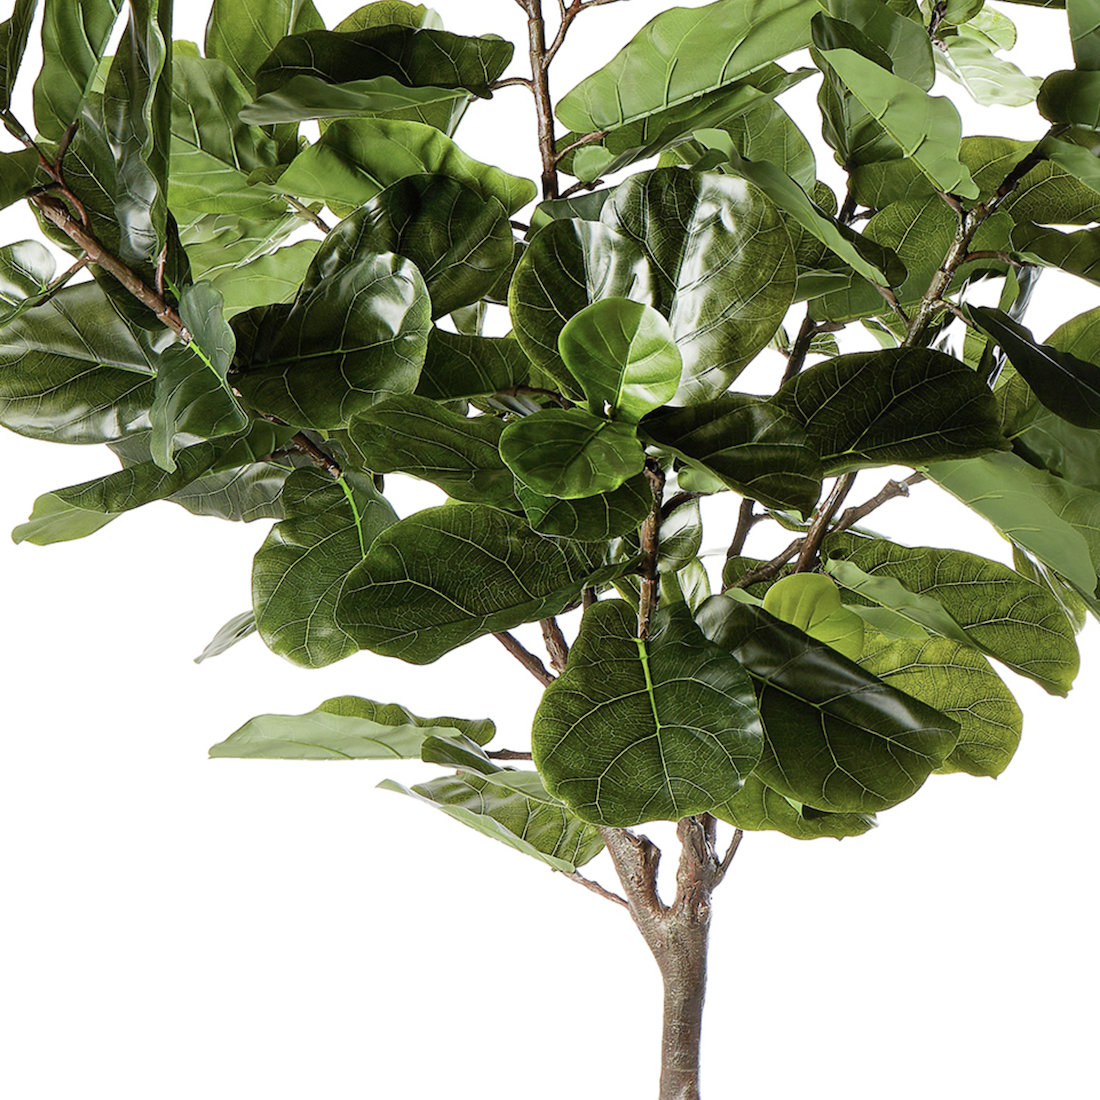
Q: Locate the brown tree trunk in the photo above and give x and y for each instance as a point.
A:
(683, 964)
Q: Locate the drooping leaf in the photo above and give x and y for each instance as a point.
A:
(458, 366)
(17, 175)
(297, 574)
(236, 630)
(1077, 253)
(638, 731)
(836, 738)
(756, 806)
(413, 435)
(811, 601)
(445, 576)
(958, 682)
(902, 405)
(14, 33)
(26, 268)
(748, 443)
(571, 453)
(596, 518)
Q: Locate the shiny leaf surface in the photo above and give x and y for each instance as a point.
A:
(811, 602)
(756, 807)
(595, 518)
(14, 33)
(459, 366)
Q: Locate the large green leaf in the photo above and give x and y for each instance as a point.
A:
(297, 573)
(445, 576)
(903, 40)
(345, 728)
(571, 453)
(1084, 32)
(958, 682)
(595, 518)
(723, 270)
(986, 604)
(836, 737)
(14, 32)
(683, 53)
(459, 366)
(242, 33)
(756, 806)
(1071, 96)
(898, 405)
(638, 731)
(17, 175)
(356, 334)
(926, 127)
(357, 158)
(417, 436)
(460, 242)
(26, 268)
(991, 81)
(1078, 253)
(748, 443)
(623, 355)
(514, 808)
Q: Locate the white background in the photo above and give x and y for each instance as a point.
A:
(176, 927)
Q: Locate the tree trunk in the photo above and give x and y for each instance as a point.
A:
(683, 963)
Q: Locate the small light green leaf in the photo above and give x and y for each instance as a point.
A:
(756, 806)
(991, 81)
(457, 366)
(623, 355)
(236, 630)
(570, 453)
(638, 731)
(812, 602)
(298, 572)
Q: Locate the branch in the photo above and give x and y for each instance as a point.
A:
(636, 859)
(568, 14)
(310, 215)
(650, 536)
(510, 81)
(685, 496)
(807, 557)
(889, 491)
(540, 86)
(731, 851)
(746, 520)
(321, 459)
(769, 569)
(507, 754)
(525, 657)
(580, 185)
(588, 139)
(595, 887)
(800, 348)
(556, 645)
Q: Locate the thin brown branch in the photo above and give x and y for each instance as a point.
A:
(540, 86)
(800, 348)
(746, 520)
(892, 489)
(304, 211)
(556, 645)
(568, 14)
(510, 82)
(589, 596)
(507, 754)
(731, 851)
(580, 185)
(678, 500)
(993, 254)
(320, 458)
(595, 887)
(525, 657)
(769, 569)
(588, 139)
(807, 556)
(650, 537)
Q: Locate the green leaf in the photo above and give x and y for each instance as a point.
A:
(722, 268)
(1084, 32)
(445, 576)
(355, 335)
(681, 54)
(812, 602)
(357, 158)
(390, 11)
(74, 35)
(926, 127)
(460, 242)
(192, 395)
(1071, 96)
(1067, 385)
(1057, 522)
(748, 443)
(991, 81)
(637, 731)
(14, 33)
(836, 737)
(514, 808)
(902, 405)
(623, 355)
(756, 806)
(17, 175)
(242, 33)
(596, 518)
(461, 367)
(1077, 253)
(413, 435)
(903, 40)
(570, 453)
(298, 572)
(958, 682)
(236, 630)
(345, 728)
(26, 268)
(73, 372)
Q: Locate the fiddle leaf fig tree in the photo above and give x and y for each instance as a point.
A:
(287, 281)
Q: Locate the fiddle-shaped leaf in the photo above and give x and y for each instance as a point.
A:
(14, 33)
(460, 367)
(26, 268)
(298, 572)
(1067, 385)
(812, 602)
(748, 443)
(623, 356)
(442, 577)
(1072, 97)
(596, 518)
(756, 807)
(836, 738)
(900, 405)
(412, 435)
(903, 40)
(1084, 32)
(571, 453)
(636, 730)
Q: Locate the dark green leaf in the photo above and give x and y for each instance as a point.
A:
(413, 435)
(1071, 96)
(756, 806)
(596, 518)
(445, 576)
(14, 32)
(1084, 32)
(638, 731)
(26, 269)
(748, 443)
(571, 453)
(17, 175)
(236, 630)
(836, 737)
(461, 367)
(903, 405)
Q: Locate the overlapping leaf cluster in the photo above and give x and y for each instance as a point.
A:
(284, 373)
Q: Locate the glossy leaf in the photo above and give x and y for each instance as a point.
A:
(958, 682)
(461, 367)
(26, 268)
(571, 453)
(596, 518)
(1084, 32)
(812, 602)
(357, 158)
(1078, 253)
(378, 12)
(903, 40)
(722, 268)
(413, 435)
(991, 81)
(637, 731)
(236, 630)
(756, 807)
(836, 737)
(356, 334)
(445, 576)
(14, 32)
(1071, 97)
(623, 356)
(903, 405)
(514, 808)
(18, 171)
(748, 443)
